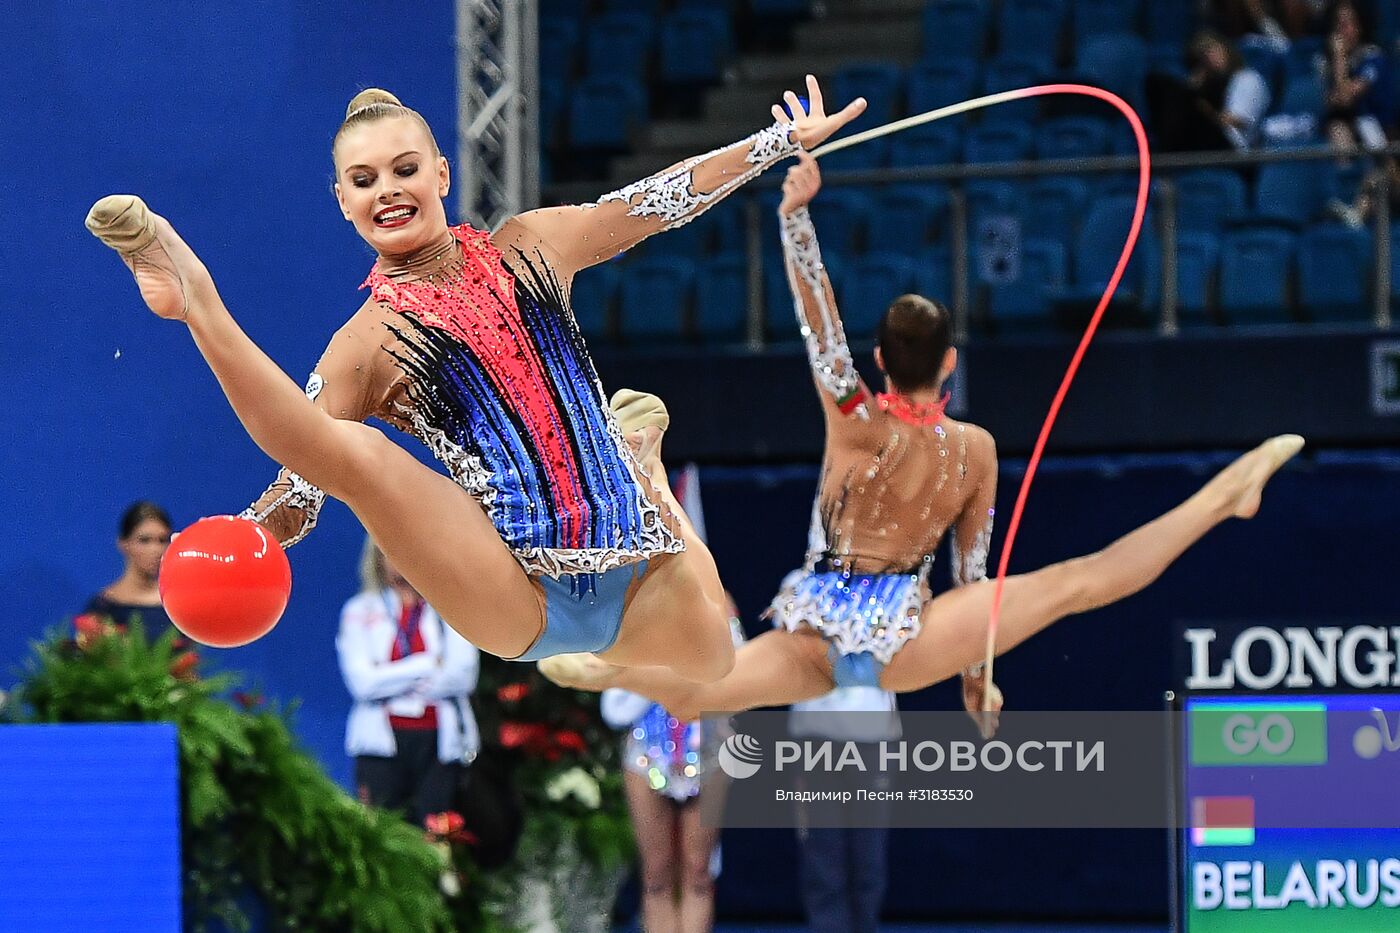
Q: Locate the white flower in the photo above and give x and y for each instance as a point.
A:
(578, 783)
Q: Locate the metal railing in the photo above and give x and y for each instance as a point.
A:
(1162, 207)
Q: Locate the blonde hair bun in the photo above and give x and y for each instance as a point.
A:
(368, 98)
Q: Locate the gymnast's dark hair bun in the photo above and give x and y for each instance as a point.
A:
(368, 98)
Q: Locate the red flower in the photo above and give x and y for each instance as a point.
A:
(448, 826)
(571, 741)
(182, 667)
(531, 736)
(247, 700)
(512, 693)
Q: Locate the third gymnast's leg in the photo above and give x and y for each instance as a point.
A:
(435, 533)
(955, 624)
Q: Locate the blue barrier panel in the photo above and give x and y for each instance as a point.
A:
(89, 828)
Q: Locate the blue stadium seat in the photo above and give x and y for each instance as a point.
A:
(871, 282)
(1071, 138)
(1004, 75)
(553, 9)
(1100, 241)
(954, 28)
(1261, 55)
(603, 111)
(695, 44)
(1166, 58)
(1025, 303)
(997, 142)
(1094, 17)
(1115, 62)
(906, 218)
(1304, 57)
(726, 219)
(933, 275)
(1334, 267)
(1208, 199)
(722, 297)
(649, 7)
(933, 144)
(780, 7)
(1170, 21)
(1293, 192)
(1197, 262)
(1302, 94)
(593, 295)
(558, 47)
(619, 45)
(554, 103)
(938, 84)
(1395, 266)
(872, 154)
(1054, 206)
(881, 84)
(993, 197)
(840, 217)
(1256, 267)
(655, 294)
(1030, 31)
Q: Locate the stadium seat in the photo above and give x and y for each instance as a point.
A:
(938, 84)
(1334, 267)
(871, 282)
(1304, 57)
(1071, 138)
(933, 144)
(1054, 206)
(869, 155)
(1030, 32)
(592, 295)
(879, 83)
(619, 45)
(655, 295)
(1197, 261)
(1094, 17)
(687, 241)
(554, 102)
(997, 142)
(558, 48)
(1293, 192)
(1260, 54)
(1024, 304)
(954, 28)
(907, 218)
(1207, 199)
(993, 197)
(1100, 241)
(649, 7)
(933, 275)
(1302, 94)
(602, 113)
(1169, 21)
(780, 7)
(695, 45)
(1166, 58)
(1256, 267)
(553, 9)
(1115, 62)
(840, 217)
(1395, 266)
(722, 298)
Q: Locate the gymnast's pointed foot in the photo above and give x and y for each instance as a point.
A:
(1244, 480)
(579, 671)
(166, 270)
(643, 419)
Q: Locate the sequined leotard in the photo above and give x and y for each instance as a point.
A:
(896, 478)
(474, 350)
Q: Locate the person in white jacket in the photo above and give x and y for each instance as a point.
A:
(411, 676)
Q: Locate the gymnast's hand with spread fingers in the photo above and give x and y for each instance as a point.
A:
(812, 127)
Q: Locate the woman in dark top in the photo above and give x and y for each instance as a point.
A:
(143, 536)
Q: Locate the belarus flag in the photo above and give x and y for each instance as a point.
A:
(1222, 821)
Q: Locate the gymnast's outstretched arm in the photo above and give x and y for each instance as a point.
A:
(579, 236)
(840, 386)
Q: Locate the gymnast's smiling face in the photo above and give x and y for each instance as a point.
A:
(390, 182)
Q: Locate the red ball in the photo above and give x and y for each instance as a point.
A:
(224, 581)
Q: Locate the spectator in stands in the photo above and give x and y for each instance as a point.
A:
(1359, 213)
(1278, 21)
(142, 537)
(411, 677)
(1357, 99)
(1218, 106)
